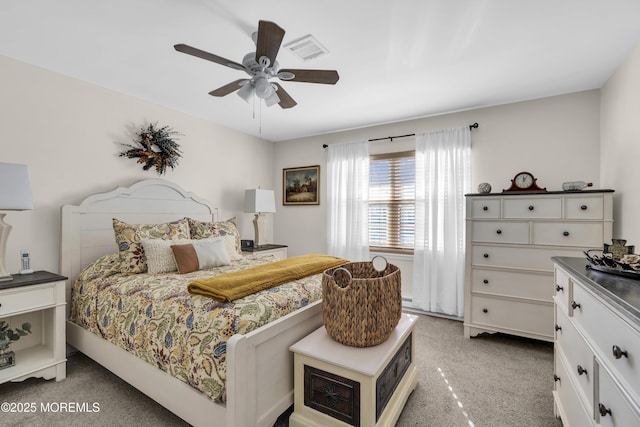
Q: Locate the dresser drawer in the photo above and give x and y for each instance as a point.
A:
(538, 286)
(518, 257)
(582, 234)
(500, 232)
(332, 394)
(16, 300)
(548, 208)
(485, 208)
(562, 289)
(392, 375)
(535, 318)
(613, 408)
(607, 330)
(571, 407)
(579, 356)
(584, 207)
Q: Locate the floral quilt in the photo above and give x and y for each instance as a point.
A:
(185, 335)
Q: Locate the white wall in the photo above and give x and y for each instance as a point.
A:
(620, 146)
(69, 133)
(556, 139)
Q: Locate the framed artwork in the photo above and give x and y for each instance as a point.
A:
(301, 186)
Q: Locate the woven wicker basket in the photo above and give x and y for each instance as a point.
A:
(361, 305)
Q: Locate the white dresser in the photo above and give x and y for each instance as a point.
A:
(510, 241)
(597, 347)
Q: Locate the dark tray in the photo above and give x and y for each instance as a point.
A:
(632, 274)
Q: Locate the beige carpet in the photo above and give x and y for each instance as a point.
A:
(488, 381)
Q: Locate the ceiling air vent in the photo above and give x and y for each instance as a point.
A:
(306, 48)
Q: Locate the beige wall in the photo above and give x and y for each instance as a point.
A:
(69, 133)
(620, 146)
(556, 139)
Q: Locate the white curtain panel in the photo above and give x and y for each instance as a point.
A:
(348, 200)
(443, 176)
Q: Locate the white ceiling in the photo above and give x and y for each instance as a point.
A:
(397, 59)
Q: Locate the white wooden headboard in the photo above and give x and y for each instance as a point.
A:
(87, 229)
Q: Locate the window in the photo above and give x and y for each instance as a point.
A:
(392, 202)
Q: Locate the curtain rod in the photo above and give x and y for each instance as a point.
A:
(391, 138)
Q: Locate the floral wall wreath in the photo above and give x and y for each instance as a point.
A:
(156, 147)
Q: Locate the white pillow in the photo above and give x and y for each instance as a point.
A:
(230, 244)
(211, 252)
(159, 254)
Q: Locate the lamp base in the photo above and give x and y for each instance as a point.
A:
(260, 227)
(4, 236)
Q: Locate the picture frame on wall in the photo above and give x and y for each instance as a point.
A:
(301, 186)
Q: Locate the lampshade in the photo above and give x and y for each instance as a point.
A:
(259, 201)
(15, 190)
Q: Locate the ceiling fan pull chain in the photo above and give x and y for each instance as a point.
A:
(260, 119)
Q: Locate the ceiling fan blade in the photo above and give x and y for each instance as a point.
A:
(329, 77)
(270, 37)
(228, 88)
(208, 56)
(286, 101)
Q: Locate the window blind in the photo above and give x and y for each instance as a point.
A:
(392, 202)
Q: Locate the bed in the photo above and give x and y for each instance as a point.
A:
(259, 365)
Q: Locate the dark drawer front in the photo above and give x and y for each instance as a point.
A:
(392, 375)
(333, 395)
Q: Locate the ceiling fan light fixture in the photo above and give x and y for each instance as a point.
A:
(272, 100)
(263, 88)
(246, 92)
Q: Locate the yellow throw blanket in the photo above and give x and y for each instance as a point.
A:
(237, 284)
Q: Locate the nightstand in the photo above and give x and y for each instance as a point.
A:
(338, 385)
(279, 251)
(37, 298)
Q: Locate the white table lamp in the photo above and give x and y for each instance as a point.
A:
(259, 202)
(15, 195)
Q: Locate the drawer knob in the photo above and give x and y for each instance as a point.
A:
(485, 208)
(565, 233)
(558, 328)
(330, 395)
(618, 352)
(499, 231)
(484, 310)
(575, 305)
(556, 378)
(581, 370)
(584, 207)
(486, 255)
(485, 281)
(604, 410)
(559, 288)
(531, 207)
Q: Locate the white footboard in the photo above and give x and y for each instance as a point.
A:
(260, 368)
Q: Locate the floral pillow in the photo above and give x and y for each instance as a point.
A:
(129, 240)
(203, 230)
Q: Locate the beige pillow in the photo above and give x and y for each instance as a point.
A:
(129, 240)
(159, 254)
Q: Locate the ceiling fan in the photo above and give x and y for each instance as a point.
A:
(262, 67)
